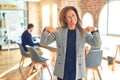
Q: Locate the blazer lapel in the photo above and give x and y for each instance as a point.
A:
(64, 36)
(78, 39)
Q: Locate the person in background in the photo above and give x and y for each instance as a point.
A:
(26, 37)
(70, 38)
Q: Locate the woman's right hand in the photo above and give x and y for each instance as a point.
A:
(51, 29)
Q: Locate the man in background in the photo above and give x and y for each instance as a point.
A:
(26, 37)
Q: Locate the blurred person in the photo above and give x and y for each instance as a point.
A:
(26, 37)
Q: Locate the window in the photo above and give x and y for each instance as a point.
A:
(87, 20)
(54, 15)
(49, 15)
(109, 18)
(45, 16)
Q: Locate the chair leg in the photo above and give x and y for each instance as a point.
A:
(22, 75)
(99, 73)
(48, 70)
(93, 74)
(21, 62)
(113, 65)
(41, 72)
(118, 49)
(30, 69)
(37, 69)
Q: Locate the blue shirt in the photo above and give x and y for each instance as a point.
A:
(70, 63)
(27, 40)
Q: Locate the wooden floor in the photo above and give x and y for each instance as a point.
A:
(9, 66)
(9, 63)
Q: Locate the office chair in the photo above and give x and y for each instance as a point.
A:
(36, 61)
(24, 55)
(93, 61)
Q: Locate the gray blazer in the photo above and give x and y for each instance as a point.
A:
(61, 40)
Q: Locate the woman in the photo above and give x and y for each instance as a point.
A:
(70, 39)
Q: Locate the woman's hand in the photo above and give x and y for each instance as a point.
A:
(90, 29)
(51, 29)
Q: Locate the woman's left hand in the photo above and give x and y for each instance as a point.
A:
(89, 29)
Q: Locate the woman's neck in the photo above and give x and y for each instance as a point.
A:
(71, 27)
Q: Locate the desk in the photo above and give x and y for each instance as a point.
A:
(52, 48)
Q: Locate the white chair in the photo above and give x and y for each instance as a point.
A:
(93, 61)
(24, 56)
(37, 60)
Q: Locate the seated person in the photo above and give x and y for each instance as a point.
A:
(26, 37)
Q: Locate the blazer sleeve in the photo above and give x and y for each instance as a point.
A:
(93, 39)
(47, 38)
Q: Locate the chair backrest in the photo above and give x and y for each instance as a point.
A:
(94, 58)
(35, 55)
(22, 51)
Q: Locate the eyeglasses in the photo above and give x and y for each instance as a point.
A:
(72, 16)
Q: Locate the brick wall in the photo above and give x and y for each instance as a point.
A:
(92, 6)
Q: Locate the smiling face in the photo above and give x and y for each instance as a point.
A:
(71, 19)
